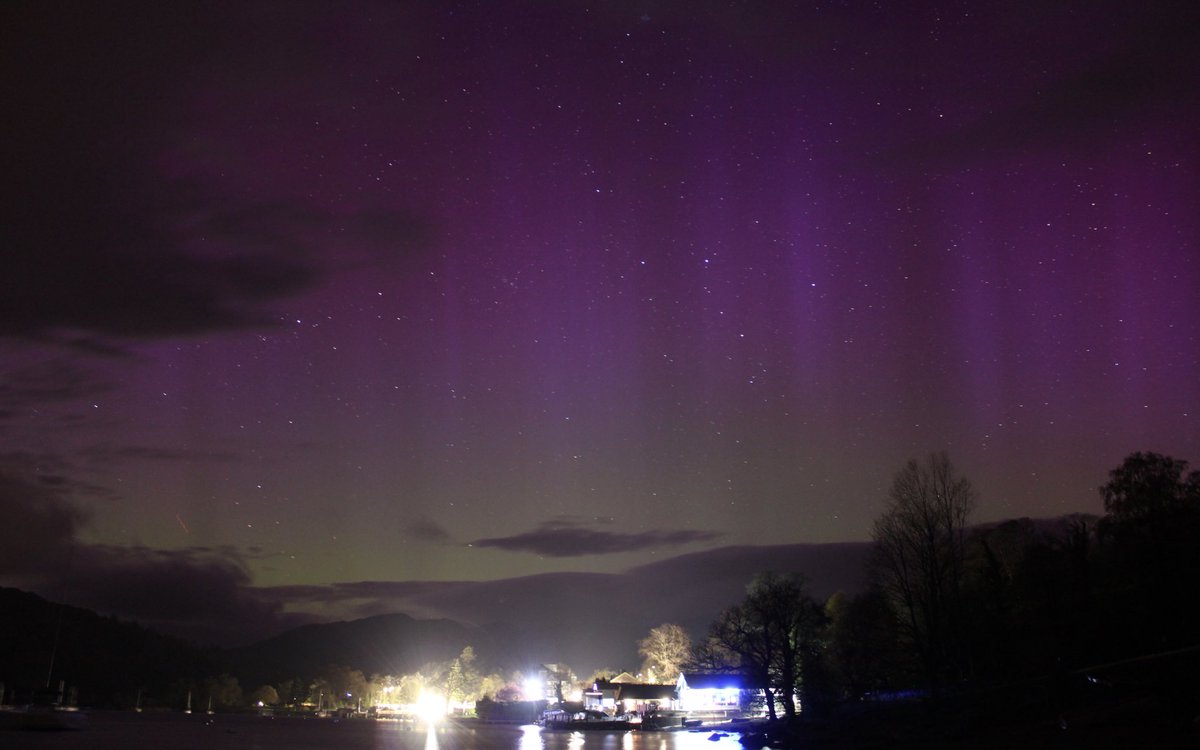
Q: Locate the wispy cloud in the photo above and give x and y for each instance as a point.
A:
(47, 381)
(425, 529)
(572, 539)
(112, 453)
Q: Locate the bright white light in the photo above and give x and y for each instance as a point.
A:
(531, 738)
(431, 705)
(533, 689)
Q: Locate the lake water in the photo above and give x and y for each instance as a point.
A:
(131, 731)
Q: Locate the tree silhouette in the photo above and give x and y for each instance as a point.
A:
(1150, 533)
(919, 557)
(1150, 489)
(773, 632)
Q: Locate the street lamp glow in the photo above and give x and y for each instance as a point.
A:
(431, 705)
(533, 689)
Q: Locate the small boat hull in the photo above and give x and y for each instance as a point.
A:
(588, 726)
(43, 718)
(559, 720)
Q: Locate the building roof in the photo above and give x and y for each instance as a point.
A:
(711, 680)
(643, 692)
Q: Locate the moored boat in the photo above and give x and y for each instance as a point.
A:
(584, 721)
(45, 713)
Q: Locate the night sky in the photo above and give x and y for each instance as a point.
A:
(305, 295)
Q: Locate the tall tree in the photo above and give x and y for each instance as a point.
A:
(339, 686)
(408, 688)
(1151, 527)
(862, 642)
(920, 545)
(1150, 489)
(665, 650)
(265, 695)
(223, 691)
(710, 655)
(773, 632)
(462, 679)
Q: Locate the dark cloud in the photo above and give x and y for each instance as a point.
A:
(1075, 108)
(101, 238)
(107, 454)
(55, 472)
(172, 261)
(130, 276)
(333, 593)
(38, 531)
(204, 595)
(568, 539)
(347, 600)
(48, 381)
(1143, 77)
(427, 530)
(31, 466)
(199, 593)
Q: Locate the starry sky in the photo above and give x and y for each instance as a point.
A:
(300, 295)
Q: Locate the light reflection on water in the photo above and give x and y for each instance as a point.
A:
(130, 731)
(533, 738)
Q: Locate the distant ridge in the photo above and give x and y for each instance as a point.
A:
(105, 659)
(587, 620)
(382, 644)
(594, 620)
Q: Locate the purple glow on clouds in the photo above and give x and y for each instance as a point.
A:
(356, 288)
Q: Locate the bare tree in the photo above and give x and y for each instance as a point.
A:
(709, 655)
(773, 632)
(738, 633)
(919, 555)
(666, 649)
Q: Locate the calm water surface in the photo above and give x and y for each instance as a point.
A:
(129, 731)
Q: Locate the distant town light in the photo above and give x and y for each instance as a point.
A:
(431, 705)
(533, 689)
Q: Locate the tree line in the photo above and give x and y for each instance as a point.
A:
(948, 607)
(953, 607)
(338, 687)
